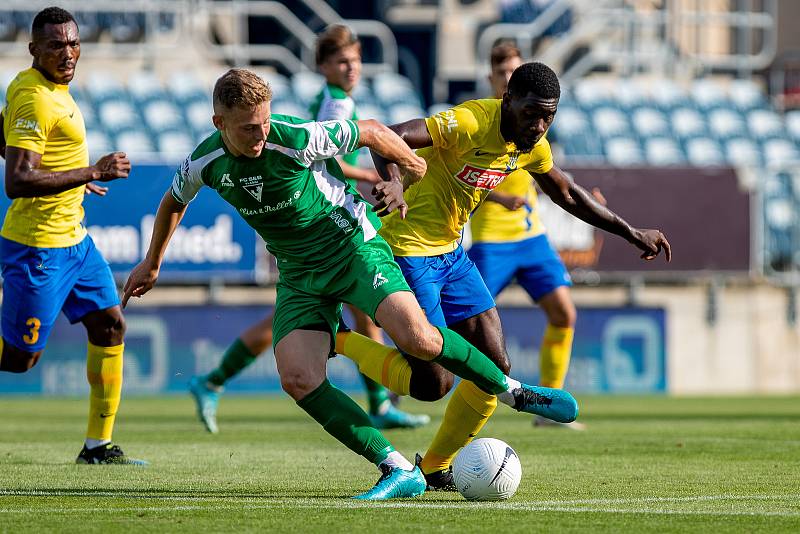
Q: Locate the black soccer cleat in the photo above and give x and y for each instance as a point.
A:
(441, 480)
(108, 454)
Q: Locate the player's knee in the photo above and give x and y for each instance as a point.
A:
(432, 386)
(18, 361)
(563, 317)
(107, 329)
(297, 385)
(424, 343)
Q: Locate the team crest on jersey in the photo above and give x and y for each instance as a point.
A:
(512, 161)
(480, 178)
(253, 185)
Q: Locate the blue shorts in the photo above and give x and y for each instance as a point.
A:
(533, 261)
(40, 282)
(448, 287)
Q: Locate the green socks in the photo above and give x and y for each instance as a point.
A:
(462, 359)
(343, 419)
(377, 395)
(234, 361)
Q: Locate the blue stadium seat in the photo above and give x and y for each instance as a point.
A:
(404, 112)
(610, 122)
(281, 88)
(629, 93)
(687, 122)
(175, 145)
(661, 151)
(668, 95)
(765, 124)
(725, 123)
(135, 142)
(362, 93)
(198, 115)
(780, 151)
(372, 111)
(624, 151)
(702, 151)
(591, 93)
(91, 27)
(747, 95)
(779, 216)
(793, 125)
(162, 116)
(145, 87)
(118, 115)
(709, 94)
(570, 122)
(102, 88)
(391, 88)
(290, 107)
(125, 27)
(99, 143)
(650, 122)
(742, 151)
(186, 88)
(306, 85)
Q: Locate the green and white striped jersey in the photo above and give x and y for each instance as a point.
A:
(332, 103)
(294, 194)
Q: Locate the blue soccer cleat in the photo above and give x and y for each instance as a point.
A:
(396, 483)
(396, 418)
(555, 404)
(206, 400)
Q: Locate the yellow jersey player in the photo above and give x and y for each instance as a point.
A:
(509, 242)
(49, 263)
(470, 149)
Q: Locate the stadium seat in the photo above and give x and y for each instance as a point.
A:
(99, 143)
(198, 115)
(702, 151)
(405, 112)
(125, 27)
(780, 151)
(793, 124)
(662, 151)
(372, 111)
(725, 123)
(742, 151)
(362, 93)
(687, 122)
(175, 145)
(306, 85)
(765, 124)
(102, 88)
(708, 94)
(391, 88)
(290, 107)
(623, 151)
(91, 27)
(118, 115)
(145, 87)
(187, 88)
(590, 93)
(747, 95)
(610, 122)
(629, 93)
(668, 95)
(650, 122)
(281, 88)
(163, 115)
(135, 142)
(570, 121)
(8, 26)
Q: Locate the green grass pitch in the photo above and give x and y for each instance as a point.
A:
(646, 464)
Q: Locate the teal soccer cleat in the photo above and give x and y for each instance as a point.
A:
(396, 483)
(555, 404)
(206, 400)
(396, 418)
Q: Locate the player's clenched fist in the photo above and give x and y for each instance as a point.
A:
(141, 280)
(112, 166)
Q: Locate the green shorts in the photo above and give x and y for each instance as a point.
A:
(312, 300)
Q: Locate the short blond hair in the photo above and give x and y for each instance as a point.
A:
(240, 88)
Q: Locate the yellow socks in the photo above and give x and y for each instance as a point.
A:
(385, 365)
(467, 411)
(104, 372)
(554, 356)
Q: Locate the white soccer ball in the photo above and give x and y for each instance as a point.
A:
(487, 469)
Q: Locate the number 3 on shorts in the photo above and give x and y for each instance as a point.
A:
(34, 325)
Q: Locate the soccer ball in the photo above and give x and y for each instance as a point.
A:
(487, 470)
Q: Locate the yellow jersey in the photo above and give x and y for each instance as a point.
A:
(468, 159)
(494, 223)
(41, 116)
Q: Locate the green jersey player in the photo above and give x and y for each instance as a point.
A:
(338, 53)
(280, 175)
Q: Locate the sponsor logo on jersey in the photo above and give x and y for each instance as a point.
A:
(450, 121)
(253, 185)
(269, 209)
(226, 180)
(27, 125)
(379, 280)
(480, 178)
(341, 221)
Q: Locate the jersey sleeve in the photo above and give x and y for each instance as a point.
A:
(334, 109)
(454, 128)
(330, 138)
(29, 123)
(542, 160)
(186, 182)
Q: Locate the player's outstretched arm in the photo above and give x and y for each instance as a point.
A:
(143, 277)
(25, 179)
(584, 205)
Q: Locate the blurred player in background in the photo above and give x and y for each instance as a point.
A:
(49, 262)
(509, 241)
(338, 57)
(470, 149)
(280, 174)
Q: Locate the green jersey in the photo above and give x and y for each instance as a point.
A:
(294, 194)
(332, 104)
